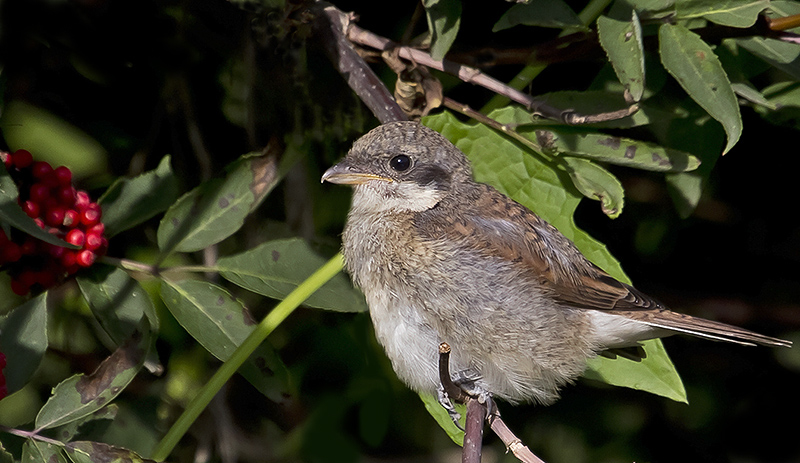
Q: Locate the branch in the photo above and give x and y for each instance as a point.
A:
(329, 24)
(476, 414)
(476, 77)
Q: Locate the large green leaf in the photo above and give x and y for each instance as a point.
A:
(130, 201)
(117, 301)
(546, 191)
(733, 13)
(35, 451)
(216, 209)
(542, 13)
(82, 395)
(220, 323)
(444, 20)
(275, 268)
(695, 66)
(24, 341)
(654, 373)
(622, 41)
(99, 452)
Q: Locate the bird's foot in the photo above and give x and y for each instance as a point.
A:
(467, 380)
(444, 401)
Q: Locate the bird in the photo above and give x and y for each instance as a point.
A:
(443, 258)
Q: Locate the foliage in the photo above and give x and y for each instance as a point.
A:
(204, 237)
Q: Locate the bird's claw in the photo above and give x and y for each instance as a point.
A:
(444, 401)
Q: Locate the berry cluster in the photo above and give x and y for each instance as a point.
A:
(3, 387)
(49, 198)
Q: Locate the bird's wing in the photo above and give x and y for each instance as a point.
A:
(494, 225)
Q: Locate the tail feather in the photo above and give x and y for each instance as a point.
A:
(707, 329)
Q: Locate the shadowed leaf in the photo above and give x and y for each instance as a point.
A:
(24, 341)
(275, 268)
(98, 452)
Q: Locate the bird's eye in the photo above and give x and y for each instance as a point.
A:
(400, 162)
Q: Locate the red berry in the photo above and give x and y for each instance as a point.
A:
(11, 252)
(19, 288)
(41, 169)
(93, 241)
(77, 237)
(82, 200)
(66, 195)
(39, 222)
(46, 278)
(69, 258)
(91, 215)
(85, 258)
(55, 251)
(63, 175)
(2, 360)
(39, 192)
(29, 246)
(71, 218)
(22, 159)
(27, 278)
(31, 208)
(55, 216)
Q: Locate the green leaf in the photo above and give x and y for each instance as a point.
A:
(34, 451)
(68, 431)
(622, 42)
(82, 395)
(24, 341)
(5, 456)
(441, 416)
(695, 66)
(117, 301)
(98, 452)
(613, 150)
(733, 13)
(52, 139)
(275, 268)
(12, 214)
(131, 201)
(542, 13)
(220, 323)
(444, 20)
(655, 373)
(596, 183)
(216, 209)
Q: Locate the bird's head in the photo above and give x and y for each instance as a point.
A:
(402, 166)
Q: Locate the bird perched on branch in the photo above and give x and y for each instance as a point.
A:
(442, 258)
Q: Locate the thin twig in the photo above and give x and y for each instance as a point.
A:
(476, 414)
(476, 77)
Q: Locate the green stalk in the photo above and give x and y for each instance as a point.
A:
(528, 73)
(240, 355)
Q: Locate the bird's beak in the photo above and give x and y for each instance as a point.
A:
(345, 174)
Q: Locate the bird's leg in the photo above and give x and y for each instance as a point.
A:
(444, 401)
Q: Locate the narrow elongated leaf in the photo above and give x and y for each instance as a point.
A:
(99, 452)
(131, 201)
(24, 341)
(220, 323)
(444, 20)
(695, 66)
(542, 13)
(614, 150)
(216, 209)
(498, 161)
(596, 183)
(654, 373)
(622, 41)
(733, 13)
(275, 268)
(82, 395)
(117, 301)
